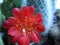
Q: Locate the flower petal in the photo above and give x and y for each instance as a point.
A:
(7, 24)
(32, 9)
(12, 31)
(25, 12)
(12, 20)
(16, 12)
(40, 28)
(35, 37)
(13, 39)
(38, 18)
(24, 40)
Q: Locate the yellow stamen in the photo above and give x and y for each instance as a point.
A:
(16, 25)
(25, 17)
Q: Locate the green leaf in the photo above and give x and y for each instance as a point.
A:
(1, 41)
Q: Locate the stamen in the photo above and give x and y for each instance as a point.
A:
(30, 18)
(35, 28)
(25, 17)
(36, 23)
(16, 25)
(18, 22)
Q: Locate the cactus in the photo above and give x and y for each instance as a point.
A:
(7, 6)
(2, 18)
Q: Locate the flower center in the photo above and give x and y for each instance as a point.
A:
(25, 25)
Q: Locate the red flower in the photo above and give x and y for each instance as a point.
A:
(24, 26)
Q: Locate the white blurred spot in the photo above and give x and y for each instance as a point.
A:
(24, 3)
(23, 30)
(1, 1)
(58, 4)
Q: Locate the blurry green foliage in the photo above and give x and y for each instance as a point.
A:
(2, 18)
(7, 6)
(1, 42)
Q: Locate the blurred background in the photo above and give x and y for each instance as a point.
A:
(50, 10)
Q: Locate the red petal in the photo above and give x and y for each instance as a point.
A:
(16, 12)
(13, 39)
(32, 9)
(25, 12)
(12, 20)
(40, 28)
(35, 37)
(13, 31)
(38, 18)
(7, 24)
(24, 40)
